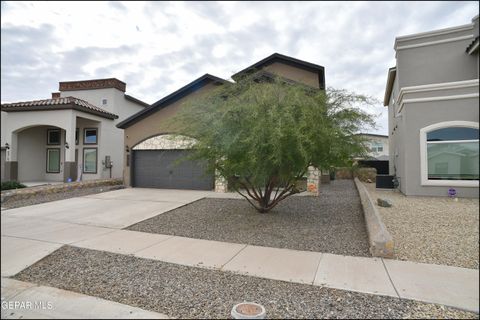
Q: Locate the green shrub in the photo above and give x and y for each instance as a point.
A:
(7, 185)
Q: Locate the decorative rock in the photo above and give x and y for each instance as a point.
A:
(248, 310)
(364, 174)
(384, 203)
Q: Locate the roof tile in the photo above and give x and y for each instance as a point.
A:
(82, 105)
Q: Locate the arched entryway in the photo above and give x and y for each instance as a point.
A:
(162, 162)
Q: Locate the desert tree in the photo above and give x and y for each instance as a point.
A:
(262, 135)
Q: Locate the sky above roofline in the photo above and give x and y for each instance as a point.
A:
(158, 47)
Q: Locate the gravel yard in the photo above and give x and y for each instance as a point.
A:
(432, 229)
(188, 292)
(332, 222)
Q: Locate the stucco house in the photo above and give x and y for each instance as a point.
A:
(432, 96)
(150, 153)
(70, 136)
(377, 145)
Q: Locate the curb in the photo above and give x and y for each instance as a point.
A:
(380, 240)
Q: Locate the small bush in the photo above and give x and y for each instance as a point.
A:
(8, 185)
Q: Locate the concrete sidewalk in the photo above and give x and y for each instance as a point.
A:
(23, 300)
(451, 286)
(31, 233)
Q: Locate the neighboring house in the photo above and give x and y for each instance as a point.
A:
(377, 155)
(377, 145)
(432, 96)
(151, 153)
(72, 135)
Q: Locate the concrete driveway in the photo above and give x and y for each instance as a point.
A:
(30, 233)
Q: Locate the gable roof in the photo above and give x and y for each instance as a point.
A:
(171, 98)
(277, 57)
(58, 104)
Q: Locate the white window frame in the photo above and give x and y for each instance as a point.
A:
(424, 159)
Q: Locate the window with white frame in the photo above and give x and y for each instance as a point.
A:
(376, 146)
(450, 153)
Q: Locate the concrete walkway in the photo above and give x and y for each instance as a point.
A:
(23, 300)
(451, 286)
(31, 233)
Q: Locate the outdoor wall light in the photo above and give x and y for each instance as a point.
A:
(66, 145)
(7, 146)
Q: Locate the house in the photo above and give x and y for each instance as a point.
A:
(432, 96)
(377, 156)
(377, 146)
(70, 136)
(150, 152)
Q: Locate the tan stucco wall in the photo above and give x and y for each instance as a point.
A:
(293, 73)
(155, 124)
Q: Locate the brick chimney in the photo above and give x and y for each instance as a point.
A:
(55, 95)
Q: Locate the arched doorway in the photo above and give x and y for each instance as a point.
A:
(162, 162)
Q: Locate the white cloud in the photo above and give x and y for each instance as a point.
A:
(158, 47)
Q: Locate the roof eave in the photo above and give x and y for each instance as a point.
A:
(169, 99)
(392, 72)
(59, 107)
(278, 56)
(133, 99)
(473, 47)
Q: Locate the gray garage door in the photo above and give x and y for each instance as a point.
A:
(159, 169)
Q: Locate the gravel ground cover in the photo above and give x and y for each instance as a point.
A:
(188, 292)
(54, 196)
(332, 222)
(431, 229)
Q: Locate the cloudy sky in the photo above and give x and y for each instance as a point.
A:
(158, 47)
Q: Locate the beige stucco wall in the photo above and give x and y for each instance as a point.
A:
(110, 138)
(3, 127)
(32, 155)
(293, 73)
(155, 124)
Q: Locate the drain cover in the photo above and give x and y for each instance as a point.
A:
(248, 310)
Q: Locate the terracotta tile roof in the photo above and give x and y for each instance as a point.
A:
(58, 103)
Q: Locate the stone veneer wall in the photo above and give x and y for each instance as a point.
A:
(313, 181)
(166, 142)
(8, 196)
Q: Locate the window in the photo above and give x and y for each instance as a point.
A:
(104, 102)
(53, 136)
(376, 147)
(89, 160)
(449, 153)
(76, 135)
(90, 136)
(53, 160)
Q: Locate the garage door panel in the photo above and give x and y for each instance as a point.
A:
(162, 169)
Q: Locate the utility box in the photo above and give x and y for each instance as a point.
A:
(384, 181)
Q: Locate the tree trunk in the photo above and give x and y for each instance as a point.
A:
(264, 201)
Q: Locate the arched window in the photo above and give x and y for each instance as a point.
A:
(449, 152)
